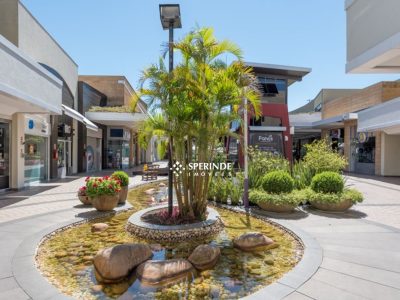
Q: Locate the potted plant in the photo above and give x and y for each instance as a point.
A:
(123, 179)
(83, 197)
(328, 193)
(103, 192)
(276, 193)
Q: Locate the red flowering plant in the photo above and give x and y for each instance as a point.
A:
(82, 191)
(97, 186)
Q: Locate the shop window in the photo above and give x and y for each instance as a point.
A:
(116, 132)
(365, 150)
(266, 121)
(35, 158)
(273, 90)
(233, 149)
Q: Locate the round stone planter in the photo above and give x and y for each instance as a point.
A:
(282, 208)
(174, 233)
(333, 207)
(123, 194)
(85, 200)
(105, 202)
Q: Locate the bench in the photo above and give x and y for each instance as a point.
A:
(151, 172)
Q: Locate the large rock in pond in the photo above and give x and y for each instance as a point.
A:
(150, 192)
(99, 227)
(204, 257)
(115, 263)
(159, 272)
(253, 241)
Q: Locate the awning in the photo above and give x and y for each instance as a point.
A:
(80, 118)
(334, 122)
(129, 120)
(267, 128)
(385, 117)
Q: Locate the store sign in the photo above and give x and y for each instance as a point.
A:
(267, 141)
(31, 124)
(362, 137)
(36, 126)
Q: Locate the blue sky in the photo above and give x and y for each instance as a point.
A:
(124, 36)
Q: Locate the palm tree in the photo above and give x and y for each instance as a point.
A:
(195, 104)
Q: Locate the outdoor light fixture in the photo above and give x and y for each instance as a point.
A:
(170, 16)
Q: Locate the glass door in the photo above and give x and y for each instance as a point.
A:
(61, 160)
(35, 158)
(4, 155)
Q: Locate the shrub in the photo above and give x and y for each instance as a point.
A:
(98, 186)
(122, 177)
(277, 182)
(353, 195)
(327, 182)
(236, 189)
(321, 157)
(293, 198)
(220, 189)
(348, 194)
(302, 175)
(261, 162)
(223, 188)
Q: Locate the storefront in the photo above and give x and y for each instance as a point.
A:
(362, 151)
(4, 154)
(36, 145)
(64, 150)
(93, 150)
(268, 141)
(118, 149)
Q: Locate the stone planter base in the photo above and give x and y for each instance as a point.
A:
(123, 194)
(174, 233)
(85, 200)
(282, 208)
(105, 202)
(333, 207)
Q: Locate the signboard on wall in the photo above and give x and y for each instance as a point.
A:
(269, 141)
(36, 125)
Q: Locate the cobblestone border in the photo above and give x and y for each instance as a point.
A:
(174, 233)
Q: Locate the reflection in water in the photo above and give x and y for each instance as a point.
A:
(66, 259)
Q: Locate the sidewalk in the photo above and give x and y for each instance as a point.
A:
(361, 248)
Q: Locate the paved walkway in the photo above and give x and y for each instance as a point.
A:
(361, 248)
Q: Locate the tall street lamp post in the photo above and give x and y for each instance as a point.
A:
(170, 17)
(246, 161)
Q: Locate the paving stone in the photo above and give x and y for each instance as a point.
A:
(14, 294)
(7, 284)
(386, 260)
(297, 296)
(364, 272)
(357, 286)
(316, 289)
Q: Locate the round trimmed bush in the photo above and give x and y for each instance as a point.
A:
(122, 177)
(277, 182)
(327, 182)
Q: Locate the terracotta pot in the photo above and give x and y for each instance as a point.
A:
(281, 208)
(105, 202)
(334, 207)
(123, 193)
(85, 200)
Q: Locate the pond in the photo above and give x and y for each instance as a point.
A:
(65, 258)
